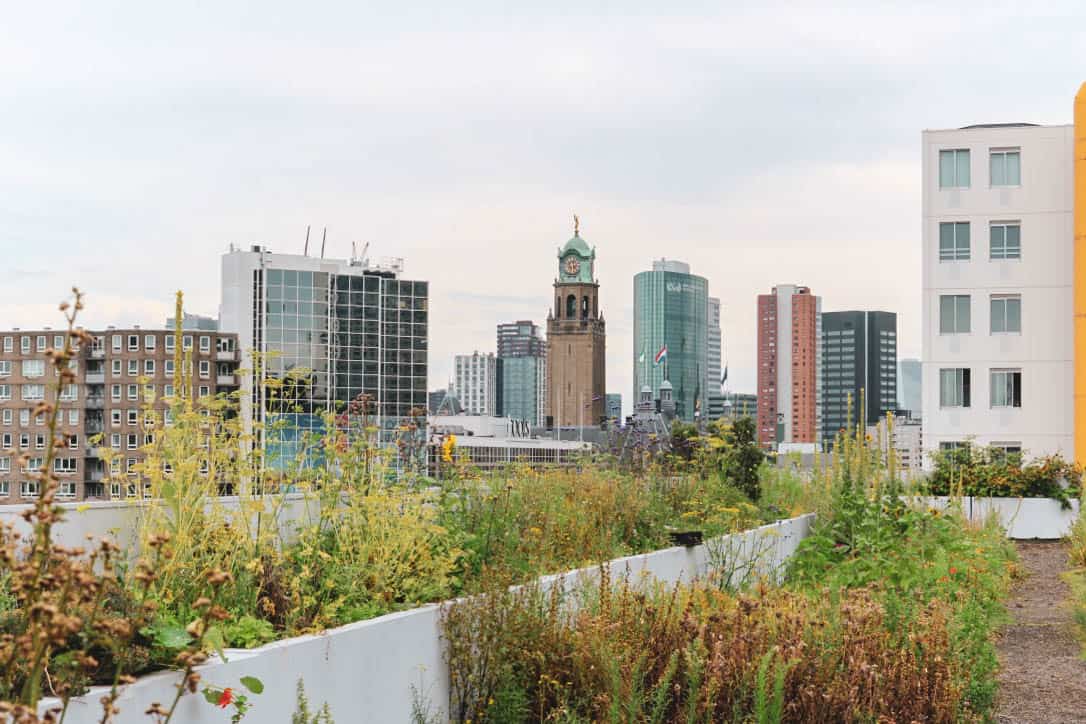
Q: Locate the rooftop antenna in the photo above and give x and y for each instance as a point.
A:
(306, 251)
(354, 250)
(366, 251)
(324, 237)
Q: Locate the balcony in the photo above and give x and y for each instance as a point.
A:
(95, 402)
(226, 356)
(97, 353)
(93, 427)
(96, 476)
(226, 380)
(94, 451)
(96, 378)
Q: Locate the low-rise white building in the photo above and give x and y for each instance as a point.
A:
(997, 287)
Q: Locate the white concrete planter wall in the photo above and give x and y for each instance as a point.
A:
(368, 671)
(1023, 518)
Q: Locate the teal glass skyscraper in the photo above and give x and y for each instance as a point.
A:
(671, 336)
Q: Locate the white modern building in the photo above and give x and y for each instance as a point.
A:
(714, 393)
(475, 379)
(997, 287)
(329, 332)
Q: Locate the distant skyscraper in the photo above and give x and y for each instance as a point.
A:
(522, 357)
(475, 379)
(576, 339)
(714, 393)
(671, 336)
(789, 363)
(909, 394)
(859, 353)
(330, 330)
(614, 406)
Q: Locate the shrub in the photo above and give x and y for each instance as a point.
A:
(992, 472)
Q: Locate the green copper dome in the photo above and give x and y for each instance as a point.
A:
(578, 245)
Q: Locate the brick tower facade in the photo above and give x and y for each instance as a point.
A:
(576, 340)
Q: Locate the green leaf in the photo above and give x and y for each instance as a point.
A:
(211, 696)
(170, 636)
(253, 684)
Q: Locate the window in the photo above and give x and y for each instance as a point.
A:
(115, 440)
(5, 392)
(67, 489)
(149, 367)
(1006, 313)
(1006, 388)
(1005, 240)
(64, 465)
(168, 368)
(130, 466)
(1006, 167)
(5, 441)
(115, 343)
(205, 344)
(133, 343)
(954, 168)
(69, 392)
(33, 392)
(43, 342)
(24, 418)
(73, 442)
(9, 344)
(954, 314)
(39, 442)
(29, 488)
(952, 445)
(205, 369)
(116, 364)
(32, 465)
(167, 390)
(5, 465)
(204, 391)
(169, 338)
(5, 368)
(149, 342)
(954, 241)
(34, 368)
(133, 417)
(73, 417)
(133, 367)
(7, 416)
(133, 441)
(58, 341)
(133, 392)
(954, 387)
(186, 342)
(115, 418)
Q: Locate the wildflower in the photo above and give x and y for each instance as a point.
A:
(953, 570)
(226, 697)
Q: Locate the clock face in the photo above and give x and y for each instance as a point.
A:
(572, 266)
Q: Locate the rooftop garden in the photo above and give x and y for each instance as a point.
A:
(375, 535)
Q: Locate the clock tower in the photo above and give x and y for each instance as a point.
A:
(576, 339)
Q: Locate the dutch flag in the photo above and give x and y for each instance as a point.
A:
(660, 356)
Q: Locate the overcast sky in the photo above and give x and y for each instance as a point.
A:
(769, 144)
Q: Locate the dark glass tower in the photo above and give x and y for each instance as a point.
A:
(859, 353)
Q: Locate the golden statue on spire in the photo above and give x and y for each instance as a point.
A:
(576, 225)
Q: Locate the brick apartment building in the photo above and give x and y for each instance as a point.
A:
(102, 408)
(789, 366)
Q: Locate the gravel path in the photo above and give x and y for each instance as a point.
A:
(1043, 676)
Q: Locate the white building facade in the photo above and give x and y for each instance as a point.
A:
(997, 288)
(475, 378)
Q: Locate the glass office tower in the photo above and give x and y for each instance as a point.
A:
(671, 311)
(328, 331)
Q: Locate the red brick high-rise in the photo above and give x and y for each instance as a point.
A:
(789, 366)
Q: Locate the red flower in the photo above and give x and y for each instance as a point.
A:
(953, 570)
(226, 697)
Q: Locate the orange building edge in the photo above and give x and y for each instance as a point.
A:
(1080, 275)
